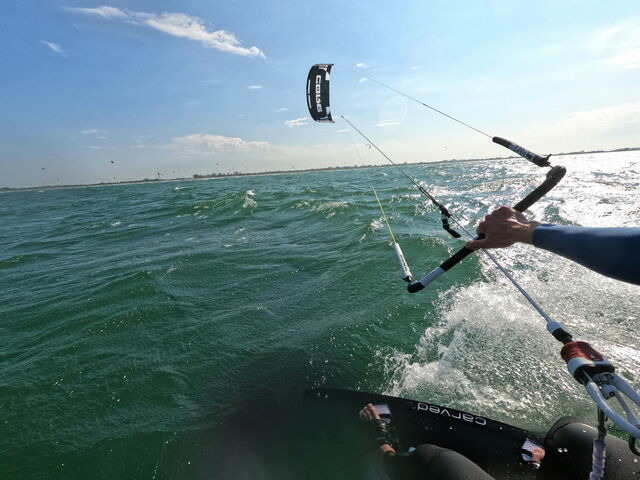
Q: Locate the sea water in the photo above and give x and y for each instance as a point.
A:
(169, 329)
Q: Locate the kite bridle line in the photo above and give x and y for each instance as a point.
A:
(584, 363)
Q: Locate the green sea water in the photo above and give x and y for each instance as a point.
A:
(169, 330)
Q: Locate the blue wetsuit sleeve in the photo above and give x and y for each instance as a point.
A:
(614, 252)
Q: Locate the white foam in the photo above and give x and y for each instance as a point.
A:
(249, 202)
(488, 353)
(331, 207)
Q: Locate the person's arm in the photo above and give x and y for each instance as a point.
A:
(614, 252)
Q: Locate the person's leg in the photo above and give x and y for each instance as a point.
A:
(444, 464)
(428, 461)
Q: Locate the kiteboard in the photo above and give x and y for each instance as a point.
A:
(502, 450)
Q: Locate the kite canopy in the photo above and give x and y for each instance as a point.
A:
(318, 92)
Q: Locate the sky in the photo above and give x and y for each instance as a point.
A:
(124, 90)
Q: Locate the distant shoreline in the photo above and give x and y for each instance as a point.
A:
(279, 172)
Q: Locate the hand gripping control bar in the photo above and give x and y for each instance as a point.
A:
(553, 177)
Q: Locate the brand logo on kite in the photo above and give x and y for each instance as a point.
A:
(318, 95)
(466, 417)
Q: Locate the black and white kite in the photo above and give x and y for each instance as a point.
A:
(318, 92)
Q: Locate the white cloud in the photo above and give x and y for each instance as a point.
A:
(609, 127)
(141, 142)
(414, 68)
(629, 59)
(177, 25)
(102, 147)
(362, 65)
(254, 87)
(198, 143)
(362, 80)
(104, 12)
(54, 47)
(296, 122)
(620, 45)
(141, 138)
(608, 119)
(205, 153)
(607, 33)
(282, 109)
(95, 131)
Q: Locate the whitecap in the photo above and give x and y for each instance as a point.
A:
(377, 224)
(249, 202)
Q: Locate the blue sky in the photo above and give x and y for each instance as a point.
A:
(118, 90)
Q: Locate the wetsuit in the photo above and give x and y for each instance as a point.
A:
(614, 252)
(433, 463)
